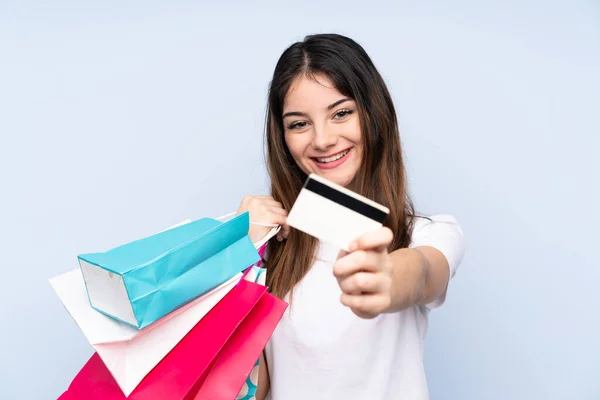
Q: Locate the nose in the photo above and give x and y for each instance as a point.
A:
(324, 138)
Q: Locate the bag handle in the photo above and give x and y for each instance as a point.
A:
(225, 217)
(274, 229)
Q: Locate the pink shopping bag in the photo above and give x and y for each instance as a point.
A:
(215, 357)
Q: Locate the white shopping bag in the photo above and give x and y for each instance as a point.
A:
(130, 353)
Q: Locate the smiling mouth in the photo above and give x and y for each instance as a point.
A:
(332, 158)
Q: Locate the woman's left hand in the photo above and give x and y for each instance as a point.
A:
(365, 275)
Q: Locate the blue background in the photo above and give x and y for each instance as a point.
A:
(119, 119)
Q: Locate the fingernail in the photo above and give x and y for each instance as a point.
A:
(353, 246)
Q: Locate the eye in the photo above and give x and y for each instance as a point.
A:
(297, 125)
(342, 114)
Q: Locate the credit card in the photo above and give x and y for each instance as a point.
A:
(334, 214)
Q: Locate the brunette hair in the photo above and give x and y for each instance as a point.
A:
(381, 176)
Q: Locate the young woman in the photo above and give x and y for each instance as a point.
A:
(356, 322)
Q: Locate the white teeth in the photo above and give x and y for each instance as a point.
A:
(333, 158)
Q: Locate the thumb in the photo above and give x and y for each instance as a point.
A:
(342, 253)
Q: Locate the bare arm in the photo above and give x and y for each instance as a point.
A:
(264, 383)
(420, 275)
(374, 281)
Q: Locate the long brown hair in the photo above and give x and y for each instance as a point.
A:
(381, 176)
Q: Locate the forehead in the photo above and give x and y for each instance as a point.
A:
(310, 93)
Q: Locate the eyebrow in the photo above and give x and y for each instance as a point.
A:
(329, 107)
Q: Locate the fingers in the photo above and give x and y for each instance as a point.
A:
(363, 274)
(357, 261)
(275, 218)
(284, 232)
(361, 282)
(377, 240)
(278, 210)
(249, 198)
(272, 204)
(264, 210)
(279, 216)
(249, 202)
(266, 200)
(258, 202)
(342, 253)
(261, 209)
(366, 306)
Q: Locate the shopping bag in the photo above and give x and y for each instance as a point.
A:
(248, 390)
(68, 396)
(142, 281)
(237, 358)
(128, 353)
(233, 332)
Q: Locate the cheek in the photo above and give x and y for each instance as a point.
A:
(356, 133)
(296, 145)
(357, 139)
(291, 145)
(360, 148)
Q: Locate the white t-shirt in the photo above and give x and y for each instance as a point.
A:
(321, 350)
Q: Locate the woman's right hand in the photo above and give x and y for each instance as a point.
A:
(264, 210)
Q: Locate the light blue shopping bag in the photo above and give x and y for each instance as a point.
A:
(143, 281)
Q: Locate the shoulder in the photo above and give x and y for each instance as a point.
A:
(435, 224)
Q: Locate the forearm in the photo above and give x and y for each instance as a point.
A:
(263, 379)
(420, 275)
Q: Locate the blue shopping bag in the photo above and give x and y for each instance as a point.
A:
(142, 281)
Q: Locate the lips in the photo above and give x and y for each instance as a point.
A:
(332, 161)
(331, 158)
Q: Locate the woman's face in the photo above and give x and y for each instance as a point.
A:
(322, 129)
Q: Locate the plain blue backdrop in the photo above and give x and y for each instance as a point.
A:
(119, 119)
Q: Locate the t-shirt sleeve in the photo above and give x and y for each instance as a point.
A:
(442, 232)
